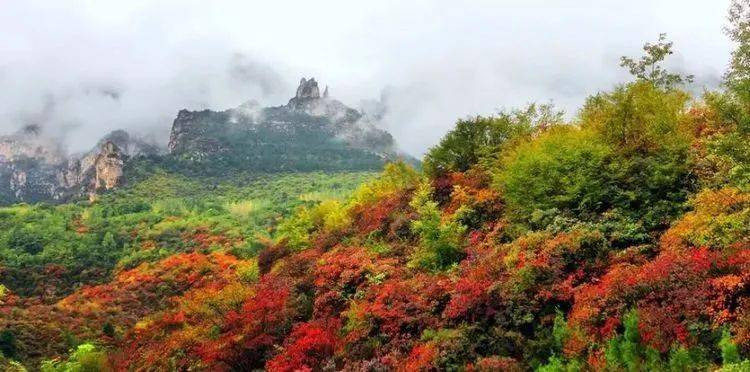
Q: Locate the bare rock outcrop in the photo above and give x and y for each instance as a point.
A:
(108, 167)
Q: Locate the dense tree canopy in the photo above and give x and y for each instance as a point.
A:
(476, 139)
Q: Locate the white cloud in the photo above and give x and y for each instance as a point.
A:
(103, 65)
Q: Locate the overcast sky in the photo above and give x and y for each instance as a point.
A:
(84, 68)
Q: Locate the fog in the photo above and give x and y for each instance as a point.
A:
(80, 69)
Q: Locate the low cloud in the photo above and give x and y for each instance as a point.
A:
(81, 69)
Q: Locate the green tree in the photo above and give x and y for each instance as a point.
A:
(564, 169)
(650, 167)
(626, 352)
(560, 330)
(729, 351)
(84, 358)
(108, 329)
(23, 239)
(440, 242)
(7, 343)
(638, 117)
(733, 105)
(737, 78)
(108, 242)
(556, 364)
(476, 139)
(649, 67)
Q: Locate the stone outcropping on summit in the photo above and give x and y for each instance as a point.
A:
(308, 89)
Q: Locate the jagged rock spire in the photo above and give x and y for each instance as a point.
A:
(308, 94)
(308, 89)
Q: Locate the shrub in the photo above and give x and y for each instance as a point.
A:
(729, 350)
(563, 169)
(248, 271)
(308, 346)
(440, 242)
(85, 358)
(396, 176)
(25, 240)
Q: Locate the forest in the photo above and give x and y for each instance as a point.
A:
(615, 239)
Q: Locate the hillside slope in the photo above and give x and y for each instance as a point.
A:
(548, 246)
(543, 245)
(48, 253)
(618, 240)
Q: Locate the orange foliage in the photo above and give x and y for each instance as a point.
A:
(420, 358)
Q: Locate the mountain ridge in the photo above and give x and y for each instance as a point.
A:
(312, 132)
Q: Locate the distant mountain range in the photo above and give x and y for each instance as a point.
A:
(312, 132)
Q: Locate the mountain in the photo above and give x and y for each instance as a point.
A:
(35, 168)
(312, 132)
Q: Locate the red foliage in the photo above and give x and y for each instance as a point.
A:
(671, 292)
(338, 305)
(420, 358)
(378, 216)
(249, 335)
(467, 294)
(401, 308)
(492, 364)
(204, 238)
(308, 347)
(454, 190)
(340, 274)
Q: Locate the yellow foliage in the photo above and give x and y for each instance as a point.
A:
(241, 209)
(248, 271)
(395, 177)
(720, 218)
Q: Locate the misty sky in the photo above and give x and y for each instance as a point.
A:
(83, 68)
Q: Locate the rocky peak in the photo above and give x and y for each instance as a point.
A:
(308, 89)
(130, 145)
(308, 94)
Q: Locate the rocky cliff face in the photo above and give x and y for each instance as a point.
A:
(309, 132)
(35, 169)
(108, 166)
